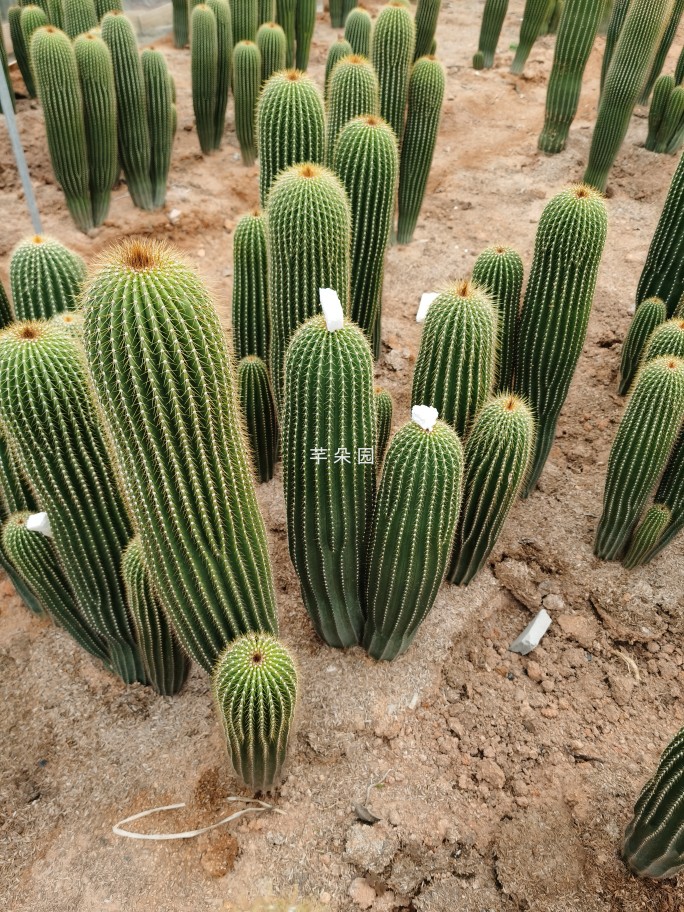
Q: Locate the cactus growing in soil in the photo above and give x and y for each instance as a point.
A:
(641, 448)
(21, 51)
(392, 48)
(338, 49)
(357, 31)
(246, 86)
(272, 46)
(181, 22)
(45, 278)
(366, 160)
(671, 132)
(244, 15)
(258, 408)
(662, 90)
(425, 97)
(255, 687)
(384, 408)
(251, 320)
(224, 34)
(649, 314)
(161, 119)
(498, 453)
(490, 30)
(413, 530)
(204, 56)
(285, 17)
(531, 26)
(427, 13)
(290, 125)
(328, 441)
(165, 383)
(4, 63)
(647, 535)
(79, 16)
(305, 22)
(499, 270)
(353, 91)
(663, 49)
(166, 665)
(558, 298)
(456, 361)
(309, 233)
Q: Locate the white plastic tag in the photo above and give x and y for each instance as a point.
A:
(39, 522)
(425, 301)
(332, 309)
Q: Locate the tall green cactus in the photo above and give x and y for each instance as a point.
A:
(266, 11)
(413, 530)
(671, 132)
(285, 17)
(328, 441)
(456, 361)
(166, 386)
(553, 321)
(498, 453)
(224, 34)
(490, 30)
(204, 56)
(641, 448)
(290, 124)
(181, 22)
(649, 314)
(79, 17)
(338, 49)
(102, 7)
(384, 409)
(615, 23)
(56, 13)
(45, 278)
(258, 408)
(499, 270)
(663, 50)
(353, 91)
(244, 16)
(4, 63)
(255, 687)
(251, 320)
(272, 46)
(160, 118)
(392, 48)
(357, 31)
(530, 28)
(305, 22)
(246, 87)
(427, 13)
(336, 9)
(21, 51)
(662, 90)
(647, 535)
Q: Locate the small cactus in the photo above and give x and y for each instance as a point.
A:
(161, 118)
(45, 278)
(669, 497)
(272, 46)
(244, 16)
(353, 91)
(79, 16)
(649, 314)
(305, 22)
(531, 26)
(384, 408)
(339, 49)
(258, 408)
(224, 34)
(255, 686)
(392, 49)
(490, 30)
(662, 90)
(181, 22)
(679, 69)
(663, 49)
(427, 13)
(251, 320)
(246, 86)
(285, 17)
(647, 535)
(4, 63)
(357, 31)
(21, 51)
(70, 321)
(478, 60)
(204, 56)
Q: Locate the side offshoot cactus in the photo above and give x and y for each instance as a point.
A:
(648, 315)
(250, 317)
(258, 408)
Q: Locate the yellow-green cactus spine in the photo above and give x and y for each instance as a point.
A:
(251, 320)
(272, 46)
(45, 278)
(339, 49)
(21, 51)
(164, 379)
(328, 442)
(244, 16)
(649, 314)
(204, 56)
(353, 91)
(555, 312)
(384, 409)
(79, 16)
(663, 50)
(224, 34)
(285, 17)
(305, 22)
(392, 48)
(647, 535)
(532, 23)
(357, 31)
(255, 686)
(4, 63)
(181, 22)
(427, 14)
(258, 408)
(160, 118)
(662, 90)
(490, 30)
(413, 529)
(246, 87)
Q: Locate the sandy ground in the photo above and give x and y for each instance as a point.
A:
(501, 783)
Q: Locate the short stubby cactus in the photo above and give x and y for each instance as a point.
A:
(338, 49)
(498, 452)
(392, 48)
(384, 409)
(649, 314)
(661, 95)
(499, 270)
(250, 318)
(353, 91)
(272, 46)
(161, 120)
(245, 20)
(204, 56)
(555, 312)
(490, 30)
(255, 686)
(647, 535)
(328, 443)
(258, 409)
(21, 51)
(305, 22)
(45, 278)
(246, 87)
(413, 529)
(290, 124)
(224, 35)
(357, 31)
(456, 361)
(531, 26)
(79, 17)
(162, 371)
(427, 13)
(640, 451)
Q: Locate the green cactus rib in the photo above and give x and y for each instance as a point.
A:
(290, 125)
(554, 11)
(392, 48)
(671, 132)
(427, 14)
(662, 90)
(305, 22)
(181, 22)
(250, 317)
(366, 160)
(532, 23)
(456, 361)
(647, 535)
(255, 687)
(164, 380)
(4, 62)
(426, 94)
(246, 87)
(166, 665)
(329, 411)
(79, 16)
(490, 31)
(555, 312)
(309, 234)
(32, 18)
(258, 408)
(384, 409)
(576, 34)
(244, 16)
(649, 314)
(204, 56)
(670, 496)
(412, 534)
(6, 313)
(266, 11)
(499, 270)
(617, 20)
(663, 50)
(338, 49)
(272, 46)
(45, 278)
(357, 31)
(353, 91)
(56, 13)
(160, 118)
(21, 51)
(56, 72)
(498, 454)
(224, 34)
(285, 17)
(641, 448)
(347, 7)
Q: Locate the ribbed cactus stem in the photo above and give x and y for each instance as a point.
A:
(478, 60)
(56, 13)
(669, 496)
(353, 91)
(490, 30)
(6, 313)
(384, 408)
(181, 22)
(336, 9)
(245, 20)
(4, 63)
(32, 18)
(666, 339)
(251, 319)
(663, 50)
(21, 51)
(285, 17)
(259, 411)
(649, 314)
(272, 46)
(427, 14)
(679, 69)
(338, 49)
(255, 687)
(224, 34)
(102, 7)
(160, 118)
(347, 7)
(45, 278)
(615, 23)
(246, 87)
(670, 133)
(305, 22)
(266, 11)
(204, 56)
(357, 31)
(647, 535)
(530, 29)
(392, 49)
(662, 90)
(79, 17)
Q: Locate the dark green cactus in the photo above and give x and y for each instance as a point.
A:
(79, 16)
(181, 22)
(285, 17)
(615, 23)
(353, 91)
(498, 454)
(357, 31)
(339, 49)
(478, 60)
(272, 46)
(384, 409)
(671, 131)
(6, 313)
(553, 321)
(649, 314)
(490, 30)
(21, 51)
(290, 124)
(499, 270)
(456, 361)
(328, 441)
(102, 7)
(224, 34)
(532, 23)
(427, 14)
(554, 11)
(165, 383)
(336, 9)
(160, 118)
(413, 530)
(266, 11)
(246, 87)
(305, 22)
(204, 56)
(244, 16)
(45, 278)
(392, 49)
(258, 408)
(647, 535)
(663, 49)
(666, 339)
(679, 69)
(4, 63)
(255, 687)
(661, 94)
(669, 497)
(251, 320)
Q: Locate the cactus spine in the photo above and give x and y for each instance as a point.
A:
(224, 34)
(339, 49)
(305, 22)
(533, 19)
(204, 55)
(45, 278)
(244, 16)
(662, 91)
(427, 13)
(456, 361)
(357, 31)
(181, 22)
(251, 320)
(384, 409)
(272, 46)
(79, 16)
(353, 91)
(160, 117)
(4, 63)
(663, 49)
(499, 270)
(258, 408)
(329, 421)
(21, 51)
(165, 383)
(246, 86)
(426, 93)
(649, 314)
(555, 312)
(412, 533)
(647, 535)
(490, 30)
(255, 687)
(392, 48)
(285, 17)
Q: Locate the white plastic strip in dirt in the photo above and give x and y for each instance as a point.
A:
(188, 834)
(532, 634)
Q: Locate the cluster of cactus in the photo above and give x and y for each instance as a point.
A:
(246, 88)
(666, 117)
(534, 18)
(490, 30)
(211, 51)
(45, 278)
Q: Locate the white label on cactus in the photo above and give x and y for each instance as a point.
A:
(425, 301)
(424, 416)
(39, 522)
(332, 309)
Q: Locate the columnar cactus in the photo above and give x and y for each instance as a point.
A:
(530, 28)
(290, 124)
(285, 17)
(165, 383)
(576, 34)
(662, 90)
(272, 46)
(425, 97)
(45, 278)
(456, 361)
(427, 13)
(246, 86)
(251, 320)
(102, 7)
(328, 443)
(357, 31)
(499, 270)
(649, 314)
(309, 233)
(6, 313)
(679, 69)
(204, 56)
(671, 132)
(258, 408)
(266, 11)
(166, 665)
(668, 498)
(336, 8)
(663, 49)
(21, 51)
(32, 18)
(244, 16)
(615, 23)
(305, 21)
(161, 119)
(353, 91)
(666, 339)
(490, 30)
(255, 687)
(641, 448)
(384, 409)
(56, 13)
(412, 534)
(647, 535)
(556, 307)
(498, 453)
(79, 17)
(338, 49)
(224, 34)
(392, 48)
(181, 22)
(4, 63)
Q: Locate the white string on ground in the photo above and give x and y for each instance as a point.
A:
(188, 834)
